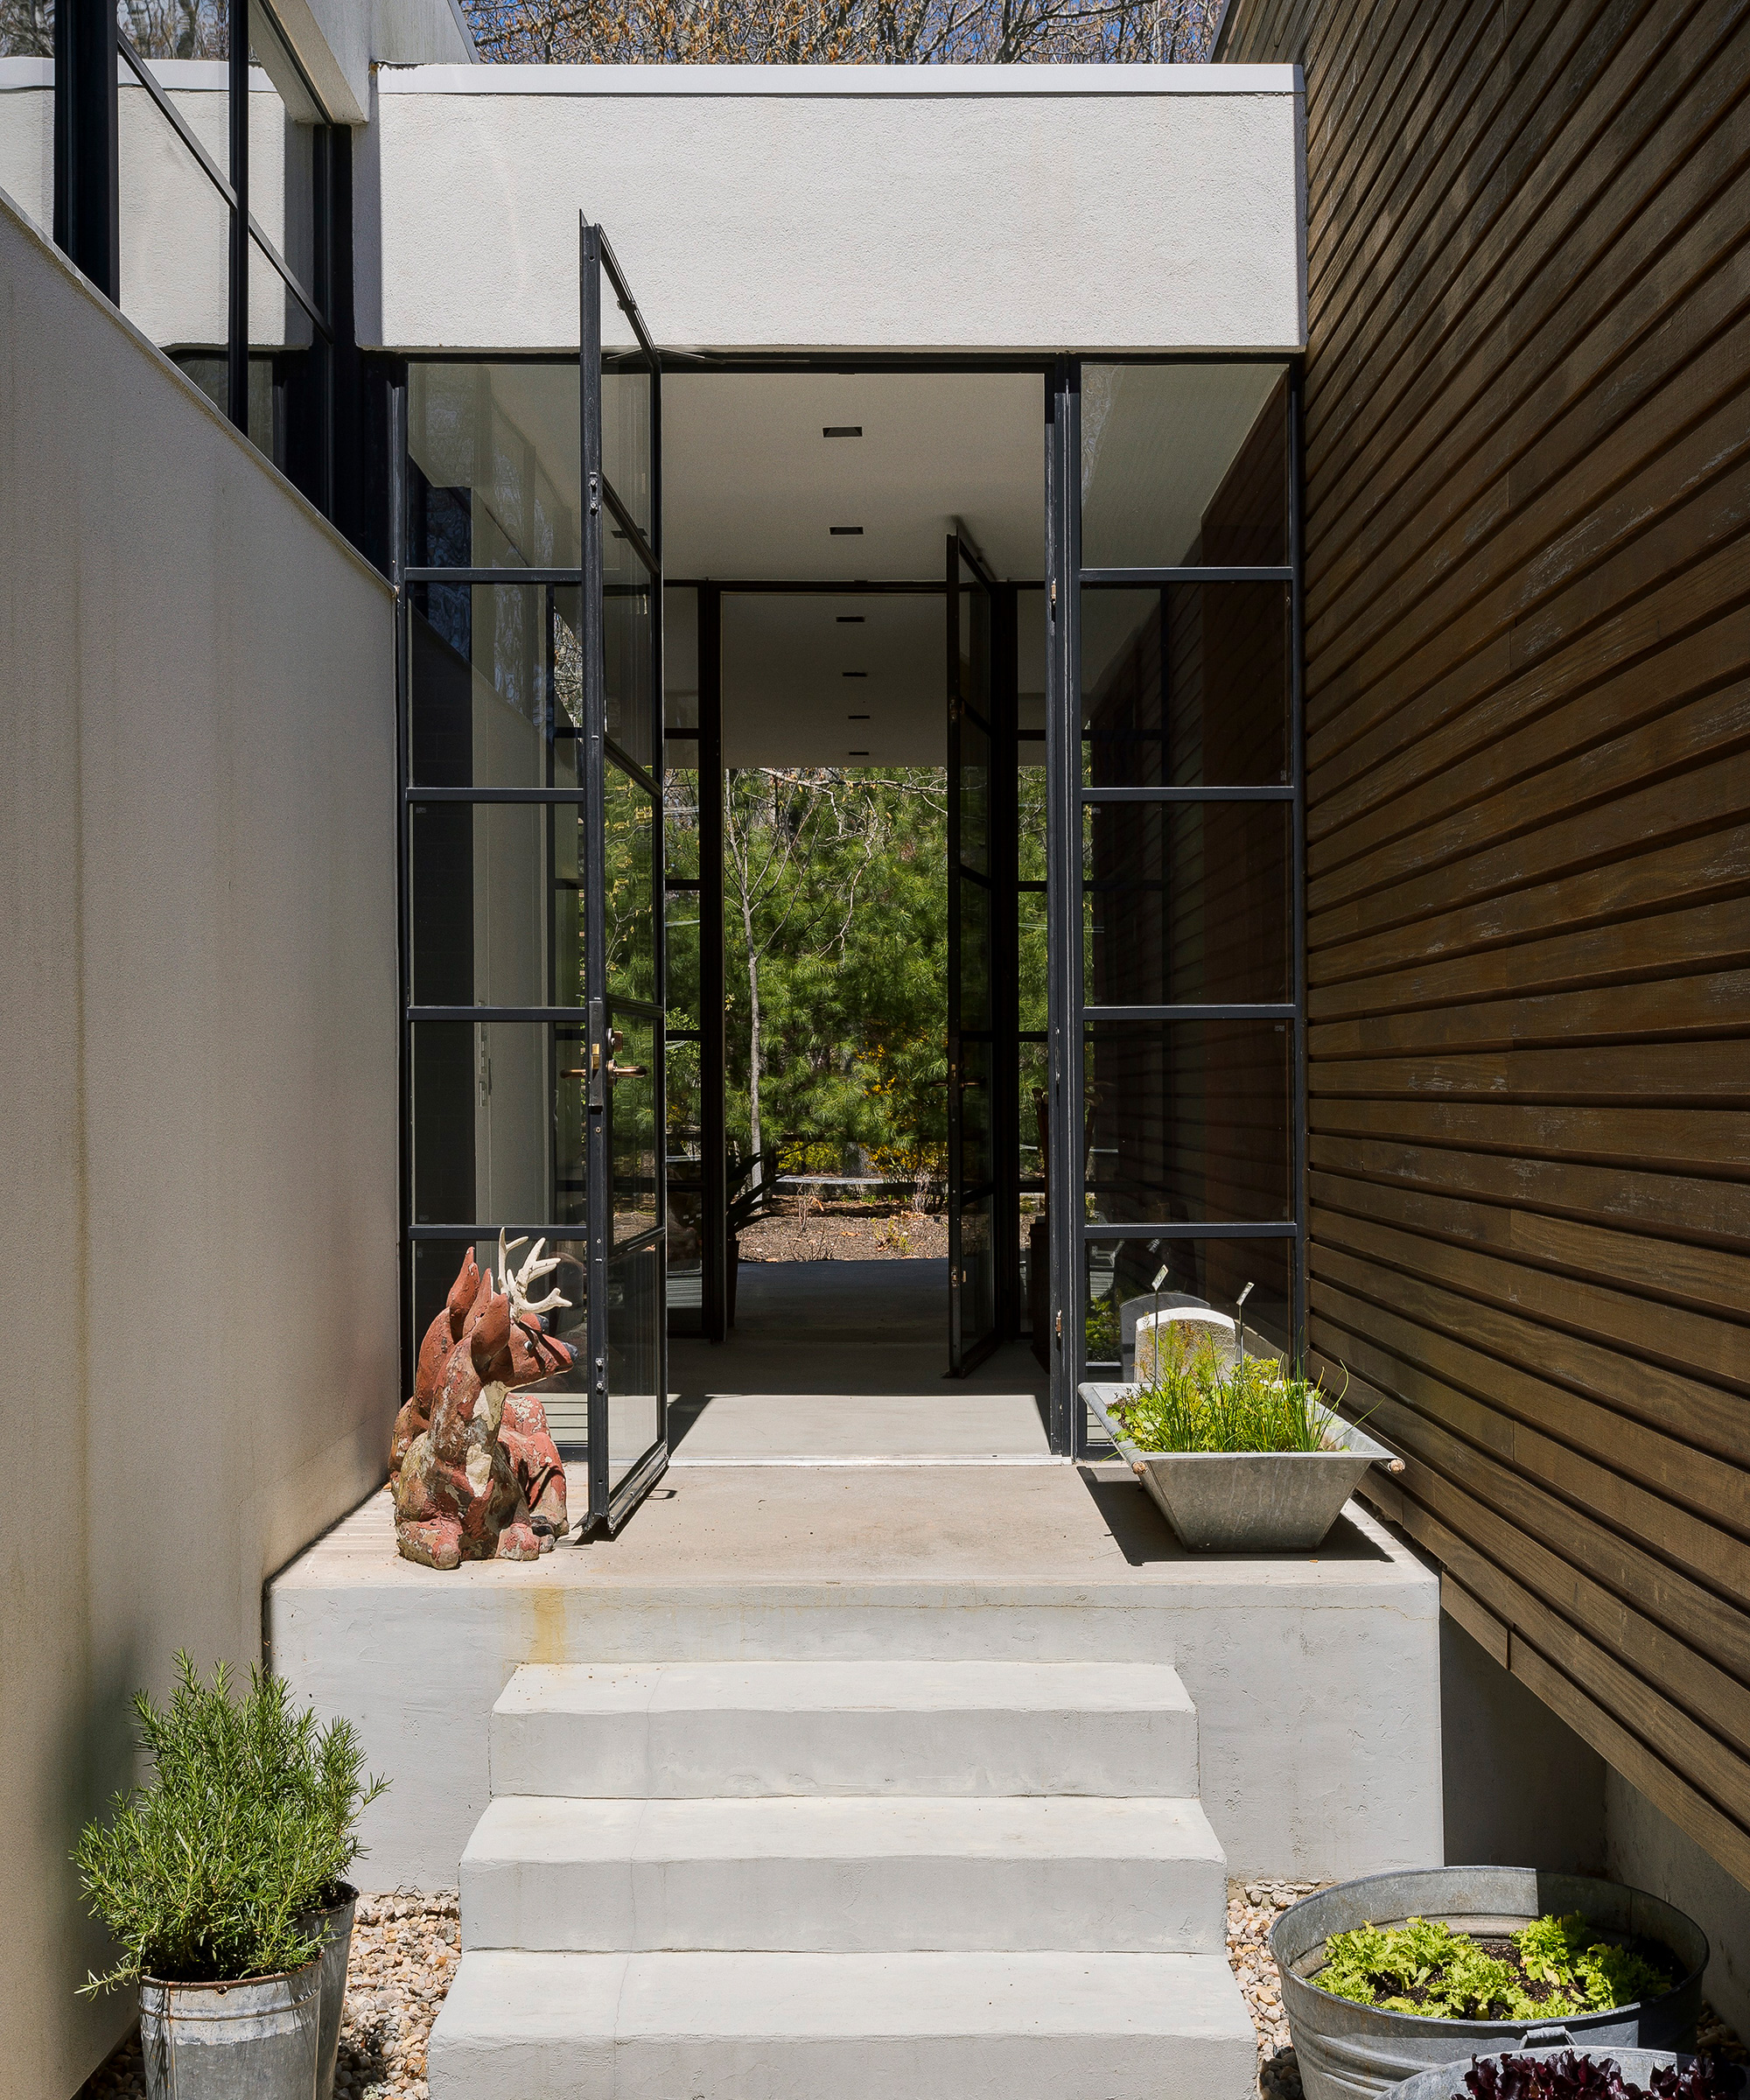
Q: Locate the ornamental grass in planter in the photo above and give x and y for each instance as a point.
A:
(223, 1883)
(1242, 1457)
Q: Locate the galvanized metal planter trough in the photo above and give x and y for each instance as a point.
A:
(1347, 2051)
(1635, 2065)
(1245, 1501)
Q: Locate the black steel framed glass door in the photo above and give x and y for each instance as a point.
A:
(1177, 856)
(624, 963)
(530, 660)
(972, 1220)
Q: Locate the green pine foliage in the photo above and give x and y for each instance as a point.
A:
(1193, 1403)
(248, 1823)
(1426, 1968)
(835, 912)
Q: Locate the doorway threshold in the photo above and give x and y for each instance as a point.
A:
(995, 1458)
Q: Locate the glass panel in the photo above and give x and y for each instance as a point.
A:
(975, 1116)
(628, 656)
(977, 1272)
(1031, 958)
(175, 226)
(1035, 1297)
(681, 823)
(625, 429)
(1201, 1273)
(497, 904)
(1186, 686)
(494, 682)
(634, 1354)
(680, 660)
(1188, 1121)
(629, 845)
(683, 947)
(565, 1396)
(283, 120)
(1184, 464)
(498, 1123)
(974, 786)
(27, 110)
(185, 29)
(631, 1126)
(492, 465)
(975, 954)
(1187, 903)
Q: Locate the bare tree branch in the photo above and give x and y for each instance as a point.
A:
(888, 32)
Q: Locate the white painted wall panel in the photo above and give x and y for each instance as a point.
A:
(872, 208)
(198, 1127)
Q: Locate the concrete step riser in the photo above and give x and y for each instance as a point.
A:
(791, 2067)
(847, 1907)
(666, 1756)
(860, 2027)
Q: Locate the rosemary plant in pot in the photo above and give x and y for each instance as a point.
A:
(223, 1883)
(1242, 1454)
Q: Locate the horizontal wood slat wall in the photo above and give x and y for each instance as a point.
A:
(1528, 712)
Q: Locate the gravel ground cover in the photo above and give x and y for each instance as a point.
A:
(406, 1944)
(1252, 1909)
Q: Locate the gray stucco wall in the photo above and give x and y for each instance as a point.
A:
(1523, 1790)
(198, 1042)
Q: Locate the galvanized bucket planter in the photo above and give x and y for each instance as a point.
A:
(256, 2040)
(1347, 2051)
(333, 1927)
(1635, 2065)
(1243, 1501)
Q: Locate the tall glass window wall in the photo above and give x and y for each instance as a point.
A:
(183, 159)
(1186, 827)
(494, 683)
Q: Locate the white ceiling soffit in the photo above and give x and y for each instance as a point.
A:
(799, 670)
(752, 488)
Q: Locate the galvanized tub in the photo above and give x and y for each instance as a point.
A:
(1348, 2051)
(1635, 2065)
(1244, 1502)
(333, 1927)
(256, 2040)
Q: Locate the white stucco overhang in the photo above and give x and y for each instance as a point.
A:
(833, 209)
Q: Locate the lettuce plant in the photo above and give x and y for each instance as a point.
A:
(1424, 1967)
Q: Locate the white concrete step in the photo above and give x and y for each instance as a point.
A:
(669, 1729)
(838, 1874)
(858, 2026)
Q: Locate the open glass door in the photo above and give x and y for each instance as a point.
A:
(1178, 1126)
(973, 1329)
(620, 650)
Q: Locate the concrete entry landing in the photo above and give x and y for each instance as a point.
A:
(847, 1359)
(1315, 1678)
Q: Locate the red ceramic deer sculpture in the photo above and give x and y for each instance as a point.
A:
(475, 1474)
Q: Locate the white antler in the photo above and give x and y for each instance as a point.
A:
(514, 1283)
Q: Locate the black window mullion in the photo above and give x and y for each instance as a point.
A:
(237, 338)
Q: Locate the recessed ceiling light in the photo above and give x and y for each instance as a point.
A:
(856, 717)
(845, 532)
(853, 674)
(850, 619)
(842, 430)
